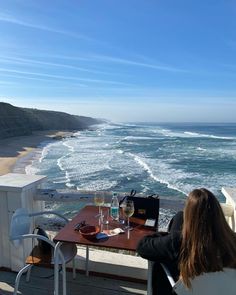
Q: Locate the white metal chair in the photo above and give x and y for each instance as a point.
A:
(212, 283)
(62, 253)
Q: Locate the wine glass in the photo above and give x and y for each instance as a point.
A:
(105, 216)
(121, 216)
(99, 201)
(128, 210)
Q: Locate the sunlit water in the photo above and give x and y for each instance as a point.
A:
(167, 159)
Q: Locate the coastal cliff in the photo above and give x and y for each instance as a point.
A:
(15, 121)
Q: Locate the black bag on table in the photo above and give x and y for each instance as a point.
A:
(145, 207)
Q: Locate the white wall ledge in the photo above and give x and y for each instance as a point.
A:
(14, 182)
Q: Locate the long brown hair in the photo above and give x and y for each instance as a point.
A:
(208, 243)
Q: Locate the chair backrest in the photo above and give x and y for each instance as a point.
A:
(213, 283)
(20, 225)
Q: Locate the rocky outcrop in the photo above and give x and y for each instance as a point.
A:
(15, 121)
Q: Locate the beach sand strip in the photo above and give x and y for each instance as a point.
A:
(14, 148)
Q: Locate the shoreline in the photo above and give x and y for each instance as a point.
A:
(16, 153)
(20, 150)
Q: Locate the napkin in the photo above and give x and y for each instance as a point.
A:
(109, 233)
(113, 232)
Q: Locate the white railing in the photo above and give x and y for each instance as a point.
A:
(87, 197)
(66, 195)
(230, 195)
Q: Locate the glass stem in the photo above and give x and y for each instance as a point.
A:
(99, 215)
(128, 222)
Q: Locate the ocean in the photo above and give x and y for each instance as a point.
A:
(166, 159)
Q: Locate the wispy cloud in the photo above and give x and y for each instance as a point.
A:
(104, 58)
(53, 84)
(111, 59)
(19, 76)
(93, 57)
(99, 81)
(13, 20)
(124, 61)
(28, 61)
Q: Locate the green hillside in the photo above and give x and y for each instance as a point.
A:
(15, 121)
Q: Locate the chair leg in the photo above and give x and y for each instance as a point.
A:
(56, 268)
(149, 281)
(87, 261)
(63, 279)
(56, 278)
(28, 273)
(17, 281)
(73, 266)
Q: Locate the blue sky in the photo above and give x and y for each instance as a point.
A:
(124, 60)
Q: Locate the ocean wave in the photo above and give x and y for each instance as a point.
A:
(200, 149)
(45, 152)
(128, 138)
(31, 170)
(70, 176)
(85, 162)
(70, 185)
(32, 159)
(218, 137)
(111, 125)
(190, 134)
(52, 148)
(120, 151)
(68, 179)
(96, 185)
(60, 163)
(169, 133)
(195, 134)
(170, 167)
(69, 146)
(172, 178)
(58, 180)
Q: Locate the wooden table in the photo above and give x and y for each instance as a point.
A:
(126, 241)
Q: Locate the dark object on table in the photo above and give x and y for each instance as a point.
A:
(89, 231)
(144, 207)
(78, 226)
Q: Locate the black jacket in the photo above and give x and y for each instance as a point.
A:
(163, 248)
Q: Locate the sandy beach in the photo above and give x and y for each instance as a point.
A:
(14, 148)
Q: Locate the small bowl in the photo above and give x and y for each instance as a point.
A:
(89, 231)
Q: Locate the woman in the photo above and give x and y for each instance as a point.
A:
(205, 243)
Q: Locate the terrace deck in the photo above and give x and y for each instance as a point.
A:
(41, 283)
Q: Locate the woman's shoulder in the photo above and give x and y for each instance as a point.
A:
(176, 238)
(159, 246)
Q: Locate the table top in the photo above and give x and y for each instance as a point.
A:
(122, 241)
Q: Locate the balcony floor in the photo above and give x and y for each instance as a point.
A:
(41, 284)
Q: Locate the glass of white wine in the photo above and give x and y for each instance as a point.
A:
(128, 211)
(99, 201)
